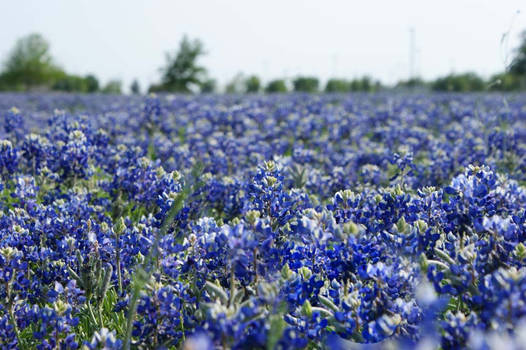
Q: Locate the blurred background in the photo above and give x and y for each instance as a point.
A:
(237, 46)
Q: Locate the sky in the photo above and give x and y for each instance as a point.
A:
(128, 39)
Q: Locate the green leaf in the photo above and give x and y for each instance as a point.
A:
(217, 291)
(277, 327)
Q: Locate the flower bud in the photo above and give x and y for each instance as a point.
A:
(119, 227)
(251, 216)
(306, 308)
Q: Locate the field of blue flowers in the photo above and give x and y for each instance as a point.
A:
(262, 222)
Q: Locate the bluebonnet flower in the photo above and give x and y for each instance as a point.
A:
(14, 123)
(295, 234)
(198, 341)
(9, 157)
(104, 339)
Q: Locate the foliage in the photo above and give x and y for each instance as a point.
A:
(135, 88)
(112, 87)
(277, 85)
(505, 82)
(92, 83)
(209, 86)
(262, 221)
(29, 65)
(306, 84)
(252, 84)
(414, 83)
(337, 85)
(182, 72)
(364, 84)
(74, 83)
(518, 64)
(235, 85)
(459, 83)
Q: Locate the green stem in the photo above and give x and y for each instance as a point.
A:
(133, 306)
(181, 319)
(232, 285)
(256, 265)
(15, 326)
(100, 317)
(438, 263)
(143, 274)
(118, 262)
(93, 318)
(11, 310)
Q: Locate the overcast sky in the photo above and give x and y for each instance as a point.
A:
(272, 38)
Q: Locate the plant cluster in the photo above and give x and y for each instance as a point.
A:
(276, 222)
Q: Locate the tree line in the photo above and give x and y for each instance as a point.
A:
(30, 67)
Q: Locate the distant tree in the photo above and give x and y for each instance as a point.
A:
(413, 83)
(459, 83)
(182, 73)
(135, 88)
(515, 76)
(209, 86)
(113, 87)
(337, 85)
(29, 64)
(306, 84)
(70, 83)
(356, 85)
(447, 83)
(366, 84)
(92, 83)
(476, 83)
(505, 82)
(235, 86)
(276, 86)
(252, 84)
(75, 83)
(156, 88)
(518, 64)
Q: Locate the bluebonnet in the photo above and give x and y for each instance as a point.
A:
(315, 219)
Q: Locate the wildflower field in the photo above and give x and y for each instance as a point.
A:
(262, 222)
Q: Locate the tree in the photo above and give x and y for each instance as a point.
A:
(516, 74)
(365, 84)
(29, 64)
(75, 83)
(209, 86)
(411, 84)
(92, 83)
(252, 84)
(306, 84)
(356, 85)
(337, 85)
(277, 85)
(459, 83)
(135, 87)
(182, 73)
(518, 64)
(235, 86)
(504, 82)
(113, 87)
(70, 83)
